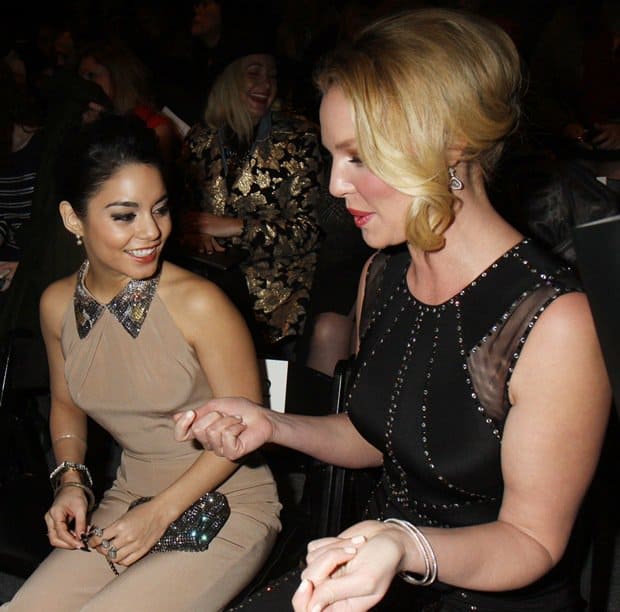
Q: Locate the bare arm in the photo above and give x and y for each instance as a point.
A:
(224, 348)
(233, 427)
(560, 397)
(68, 428)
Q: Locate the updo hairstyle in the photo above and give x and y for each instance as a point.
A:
(99, 150)
(420, 83)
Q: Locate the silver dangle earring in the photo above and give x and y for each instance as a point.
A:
(456, 184)
(78, 240)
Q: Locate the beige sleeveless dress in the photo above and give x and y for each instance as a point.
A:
(131, 387)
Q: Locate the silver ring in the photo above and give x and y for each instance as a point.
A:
(105, 544)
(112, 553)
(97, 532)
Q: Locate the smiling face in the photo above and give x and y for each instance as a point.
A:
(259, 84)
(378, 209)
(126, 225)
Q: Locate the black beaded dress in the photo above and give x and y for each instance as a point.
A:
(430, 390)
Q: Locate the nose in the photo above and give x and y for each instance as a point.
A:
(149, 229)
(339, 186)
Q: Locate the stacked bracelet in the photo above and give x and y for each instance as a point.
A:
(430, 560)
(87, 490)
(67, 466)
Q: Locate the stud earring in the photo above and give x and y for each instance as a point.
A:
(456, 184)
(78, 240)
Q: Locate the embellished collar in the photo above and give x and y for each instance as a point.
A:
(130, 306)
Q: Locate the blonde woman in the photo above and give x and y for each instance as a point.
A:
(252, 178)
(479, 385)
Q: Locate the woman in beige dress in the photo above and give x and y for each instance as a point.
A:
(131, 340)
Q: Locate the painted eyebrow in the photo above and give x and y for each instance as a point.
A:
(130, 204)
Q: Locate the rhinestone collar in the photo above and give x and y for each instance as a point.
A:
(130, 306)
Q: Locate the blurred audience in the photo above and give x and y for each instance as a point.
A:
(21, 145)
(125, 79)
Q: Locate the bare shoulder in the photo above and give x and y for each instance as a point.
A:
(190, 298)
(562, 351)
(55, 300)
(568, 319)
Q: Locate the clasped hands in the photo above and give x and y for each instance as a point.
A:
(351, 572)
(200, 231)
(129, 538)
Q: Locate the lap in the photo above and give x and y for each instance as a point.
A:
(179, 581)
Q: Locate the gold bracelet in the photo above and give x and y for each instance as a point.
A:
(68, 436)
(87, 490)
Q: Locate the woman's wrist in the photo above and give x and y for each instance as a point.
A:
(86, 492)
(418, 564)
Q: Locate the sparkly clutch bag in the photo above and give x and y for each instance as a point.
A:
(196, 527)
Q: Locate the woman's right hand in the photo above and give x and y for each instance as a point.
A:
(231, 427)
(70, 505)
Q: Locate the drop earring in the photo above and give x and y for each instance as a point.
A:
(78, 240)
(456, 184)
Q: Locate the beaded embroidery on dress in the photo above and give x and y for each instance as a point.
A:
(129, 307)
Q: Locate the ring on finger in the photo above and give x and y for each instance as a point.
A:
(112, 553)
(105, 544)
(97, 532)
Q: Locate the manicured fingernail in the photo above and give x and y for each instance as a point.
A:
(360, 539)
(304, 586)
(350, 550)
(317, 608)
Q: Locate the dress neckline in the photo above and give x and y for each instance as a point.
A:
(130, 306)
(513, 251)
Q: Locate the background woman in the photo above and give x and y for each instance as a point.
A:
(252, 179)
(131, 340)
(479, 385)
(125, 79)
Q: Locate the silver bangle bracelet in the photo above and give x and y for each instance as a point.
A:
(66, 466)
(430, 560)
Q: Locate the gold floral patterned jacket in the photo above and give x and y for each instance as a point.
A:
(275, 191)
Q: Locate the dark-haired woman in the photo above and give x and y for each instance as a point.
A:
(131, 340)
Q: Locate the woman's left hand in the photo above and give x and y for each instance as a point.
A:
(214, 225)
(7, 272)
(352, 572)
(131, 536)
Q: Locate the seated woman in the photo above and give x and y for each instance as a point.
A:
(479, 384)
(125, 79)
(21, 149)
(132, 339)
(252, 181)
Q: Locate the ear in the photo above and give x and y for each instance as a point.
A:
(70, 219)
(455, 151)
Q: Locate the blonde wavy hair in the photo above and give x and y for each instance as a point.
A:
(419, 83)
(225, 105)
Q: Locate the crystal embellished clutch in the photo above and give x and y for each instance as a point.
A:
(196, 527)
